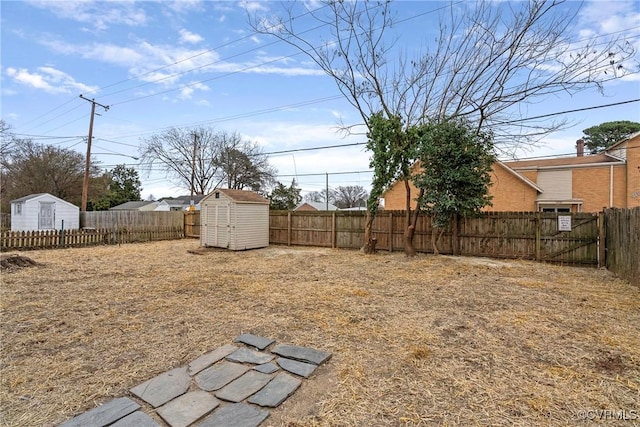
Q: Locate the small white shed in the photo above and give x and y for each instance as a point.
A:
(43, 211)
(234, 219)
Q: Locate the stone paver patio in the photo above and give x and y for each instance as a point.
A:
(233, 385)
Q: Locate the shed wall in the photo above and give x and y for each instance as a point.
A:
(29, 220)
(234, 225)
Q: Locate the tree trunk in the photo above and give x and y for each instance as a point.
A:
(369, 241)
(412, 221)
(436, 233)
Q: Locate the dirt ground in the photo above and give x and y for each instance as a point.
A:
(422, 341)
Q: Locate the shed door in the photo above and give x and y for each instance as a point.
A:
(222, 227)
(46, 215)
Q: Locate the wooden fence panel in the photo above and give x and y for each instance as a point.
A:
(498, 234)
(622, 229)
(578, 246)
(131, 219)
(51, 239)
(192, 224)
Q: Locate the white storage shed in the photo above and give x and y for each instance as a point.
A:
(43, 211)
(234, 219)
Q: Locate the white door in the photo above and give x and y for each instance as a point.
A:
(222, 226)
(46, 215)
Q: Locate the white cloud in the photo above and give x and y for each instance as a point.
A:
(187, 91)
(252, 6)
(189, 37)
(100, 15)
(255, 39)
(48, 79)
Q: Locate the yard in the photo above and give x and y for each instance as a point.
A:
(424, 341)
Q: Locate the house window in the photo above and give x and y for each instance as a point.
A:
(556, 209)
(17, 209)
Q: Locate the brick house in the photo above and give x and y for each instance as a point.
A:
(570, 184)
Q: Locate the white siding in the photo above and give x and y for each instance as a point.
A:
(556, 185)
(251, 227)
(29, 219)
(226, 223)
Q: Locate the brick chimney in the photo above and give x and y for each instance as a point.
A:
(580, 147)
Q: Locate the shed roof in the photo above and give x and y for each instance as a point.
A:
(243, 196)
(36, 195)
(29, 197)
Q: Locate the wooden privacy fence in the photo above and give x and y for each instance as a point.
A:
(192, 224)
(622, 229)
(131, 219)
(524, 235)
(49, 239)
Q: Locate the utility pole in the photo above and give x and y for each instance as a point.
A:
(327, 190)
(85, 182)
(192, 206)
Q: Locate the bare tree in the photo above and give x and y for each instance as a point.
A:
(350, 196)
(208, 159)
(321, 196)
(185, 155)
(489, 60)
(34, 168)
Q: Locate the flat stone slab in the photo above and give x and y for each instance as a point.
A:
(219, 375)
(210, 358)
(236, 415)
(303, 354)
(267, 368)
(188, 408)
(161, 389)
(104, 414)
(244, 386)
(295, 367)
(137, 419)
(277, 391)
(255, 341)
(246, 355)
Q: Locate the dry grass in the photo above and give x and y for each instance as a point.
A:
(424, 341)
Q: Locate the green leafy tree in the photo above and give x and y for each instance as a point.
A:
(455, 175)
(599, 138)
(285, 198)
(122, 185)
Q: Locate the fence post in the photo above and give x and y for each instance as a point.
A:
(334, 231)
(391, 231)
(289, 228)
(538, 235)
(455, 240)
(602, 240)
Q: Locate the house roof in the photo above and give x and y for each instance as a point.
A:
(622, 141)
(319, 206)
(522, 178)
(185, 200)
(559, 162)
(240, 195)
(131, 206)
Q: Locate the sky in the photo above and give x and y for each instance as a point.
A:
(198, 63)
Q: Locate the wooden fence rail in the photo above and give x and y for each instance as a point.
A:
(49, 239)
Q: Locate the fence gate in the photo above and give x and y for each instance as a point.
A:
(568, 238)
